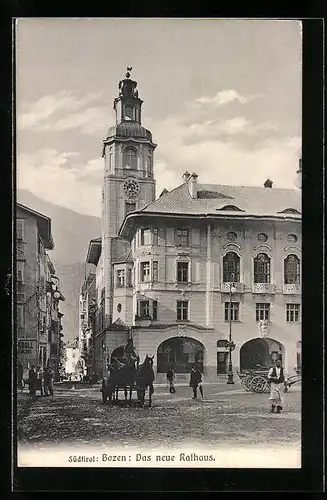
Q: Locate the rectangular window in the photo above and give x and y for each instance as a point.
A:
(20, 229)
(182, 272)
(155, 310)
(145, 271)
(146, 237)
(235, 311)
(20, 316)
(129, 278)
(155, 270)
(181, 237)
(20, 268)
(129, 207)
(262, 312)
(144, 308)
(292, 312)
(182, 310)
(154, 236)
(120, 281)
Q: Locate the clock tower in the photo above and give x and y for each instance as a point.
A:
(128, 176)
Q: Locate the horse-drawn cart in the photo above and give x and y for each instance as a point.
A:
(257, 380)
(124, 373)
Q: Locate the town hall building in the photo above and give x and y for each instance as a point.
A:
(199, 266)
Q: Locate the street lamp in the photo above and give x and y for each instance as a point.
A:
(230, 344)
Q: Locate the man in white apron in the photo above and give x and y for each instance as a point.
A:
(278, 386)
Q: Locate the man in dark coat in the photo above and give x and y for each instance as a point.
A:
(32, 381)
(170, 380)
(195, 381)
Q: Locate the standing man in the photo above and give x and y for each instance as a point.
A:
(170, 380)
(32, 381)
(278, 386)
(195, 381)
(39, 378)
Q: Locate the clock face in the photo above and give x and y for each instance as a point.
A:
(131, 187)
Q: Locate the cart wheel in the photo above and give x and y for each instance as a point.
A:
(247, 383)
(258, 384)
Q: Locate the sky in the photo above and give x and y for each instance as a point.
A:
(222, 98)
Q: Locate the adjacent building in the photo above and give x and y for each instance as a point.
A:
(87, 323)
(183, 273)
(38, 319)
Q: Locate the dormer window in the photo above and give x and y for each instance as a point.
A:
(290, 211)
(230, 208)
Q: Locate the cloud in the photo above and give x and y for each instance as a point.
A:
(224, 160)
(223, 97)
(238, 125)
(46, 112)
(61, 178)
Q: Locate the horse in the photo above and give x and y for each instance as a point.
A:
(121, 375)
(144, 380)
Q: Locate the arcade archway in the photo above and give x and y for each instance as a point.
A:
(180, 353)
(260, 353)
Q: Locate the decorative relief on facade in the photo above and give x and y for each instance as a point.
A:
(292, 248)
(263, 247)
(263, 288)
(292, 288)
(216, 233)
(232, 246)
(225, 287)
(263, 326)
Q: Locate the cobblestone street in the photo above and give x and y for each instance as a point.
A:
(226, 416)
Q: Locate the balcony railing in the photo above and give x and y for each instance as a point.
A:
(263, 288)
(292, 289)
(225, 287)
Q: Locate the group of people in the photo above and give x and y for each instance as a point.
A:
(276, 377)
(195, 381)
(40, 380)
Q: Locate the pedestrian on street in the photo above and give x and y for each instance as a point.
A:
(32, 381)
(39, 378)
(278, 386)
(195, 381)
(20, 381)
(170, 380)
(48, 381)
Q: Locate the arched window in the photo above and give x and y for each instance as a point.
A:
(291, 269)
(231, 267)
(128, 113)
(262, 268)
(130, 158)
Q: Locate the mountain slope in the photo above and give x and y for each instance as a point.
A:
(71, 232)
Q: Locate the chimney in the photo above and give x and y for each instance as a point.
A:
(268, 183)
(186, 176)
(299, 175)
(193, 186)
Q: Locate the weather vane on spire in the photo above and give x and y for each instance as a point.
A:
(128, 74)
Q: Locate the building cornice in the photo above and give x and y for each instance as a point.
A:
(130, 220)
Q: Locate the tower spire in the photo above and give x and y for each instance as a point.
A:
(128, 100)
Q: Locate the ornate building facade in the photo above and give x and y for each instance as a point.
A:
(38, 296)
(182, 273)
